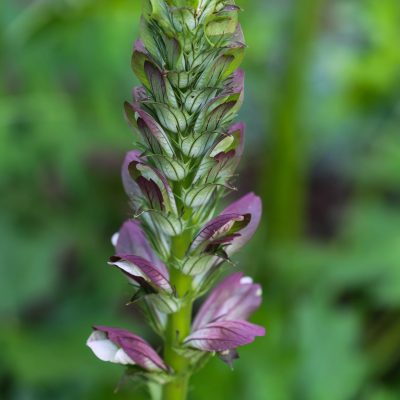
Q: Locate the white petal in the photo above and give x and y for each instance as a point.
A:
(130, 268)
(103, 348)
(122, 358)
(150, 365)
(114, 239)
(106, 350)
(246, 280)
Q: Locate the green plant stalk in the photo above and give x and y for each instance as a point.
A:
(178, 325)
(287, 164)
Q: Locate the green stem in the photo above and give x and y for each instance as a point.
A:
(178, 325)
(284, 189)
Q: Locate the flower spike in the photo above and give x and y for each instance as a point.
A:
(188, 148)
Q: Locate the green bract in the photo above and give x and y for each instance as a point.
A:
(187, 59)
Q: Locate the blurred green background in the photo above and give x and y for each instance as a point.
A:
(322, 111)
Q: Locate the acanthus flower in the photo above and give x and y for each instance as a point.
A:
(137, 260)
(139, 263)
(221, 323)
(221, 237)
(123, 347)
(232, 228)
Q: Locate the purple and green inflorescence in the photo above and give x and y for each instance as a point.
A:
(173, 248)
